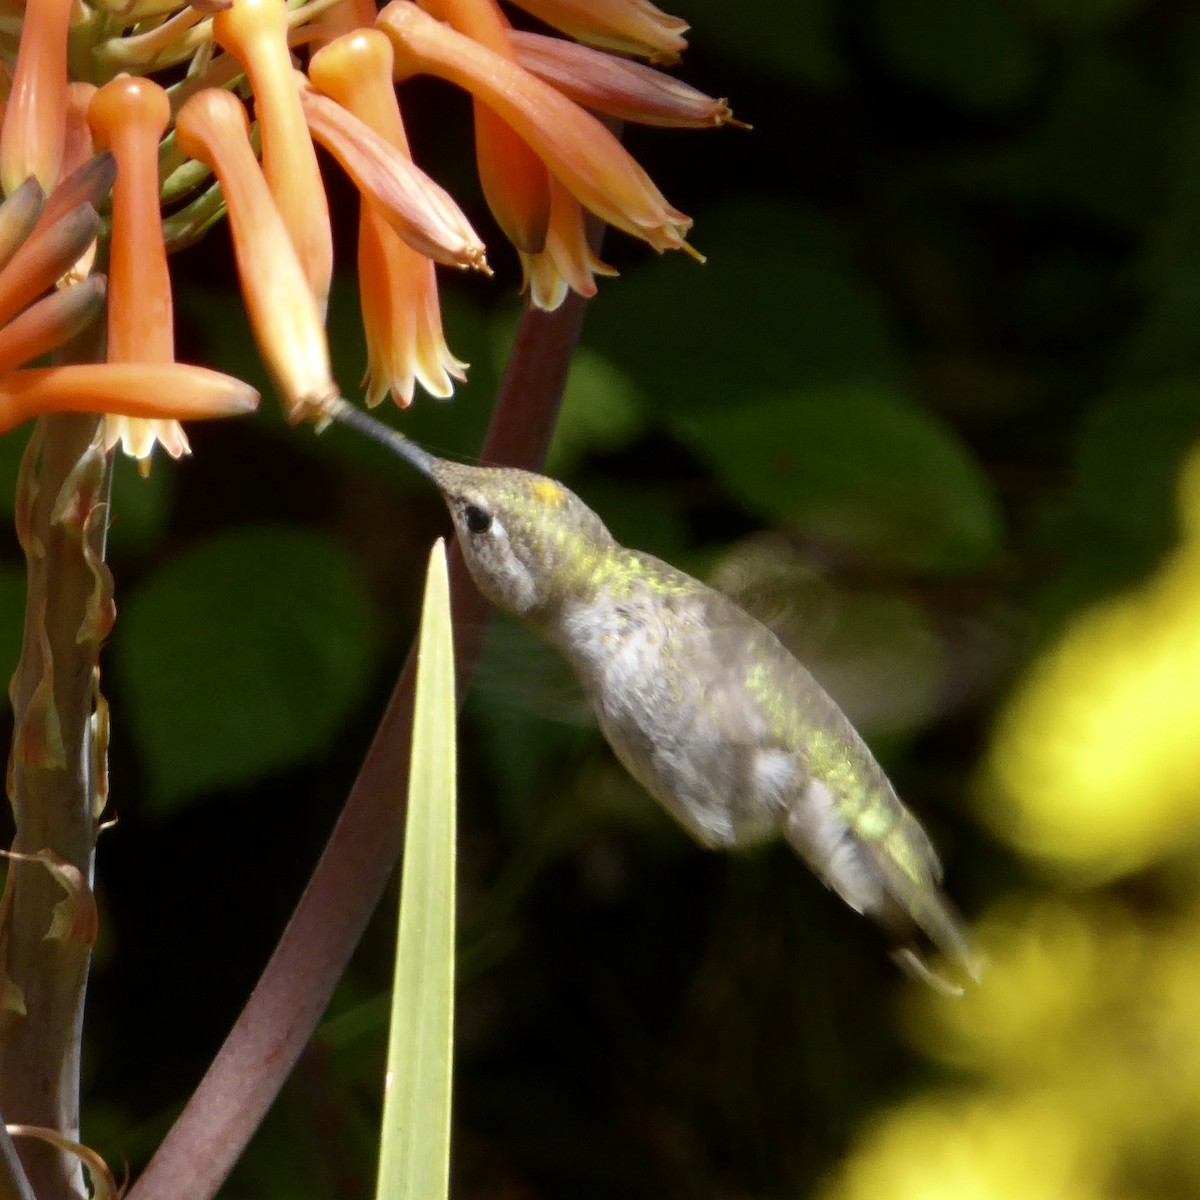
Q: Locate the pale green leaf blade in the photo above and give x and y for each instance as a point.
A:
(414, 1159)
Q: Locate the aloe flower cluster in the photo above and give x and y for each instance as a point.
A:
(129, 128)
(213, 109)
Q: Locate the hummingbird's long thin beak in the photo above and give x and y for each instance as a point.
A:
(345, 413)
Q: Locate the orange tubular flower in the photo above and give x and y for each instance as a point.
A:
(51, 321)
(347, 17)
(568, 260)
(616, 86)
(130, 115)
(78, 144)
(589, 162)
(88, 184)
(397, 285)
(148, 390)
(38, 245)
(511, 174)
(35, 116)
(19, 216)
(255, 32)
(284, 315)
(44, 258)
(628, 26)
(421, 212)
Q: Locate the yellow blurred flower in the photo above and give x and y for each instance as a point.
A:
(964, 1146)
(1096, 762)
(1081, 1050)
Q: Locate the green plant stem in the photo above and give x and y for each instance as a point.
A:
(61, 521)
(283, 1010)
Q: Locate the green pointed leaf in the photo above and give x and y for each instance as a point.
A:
(242, 656)
(857, 466)
(414, 1158)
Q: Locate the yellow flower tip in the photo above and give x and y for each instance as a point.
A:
(284, 315)
(255, 32)
(50, 322)
(401, 317)
(568, 262)
(31, 141)
(627, 26)
(691, 250)
(138, 437)
(576, 148)
(44, 258)
(417, 208)
(158, 391)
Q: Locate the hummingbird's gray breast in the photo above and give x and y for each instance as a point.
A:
(674, 707)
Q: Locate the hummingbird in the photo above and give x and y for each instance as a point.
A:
(700, 702)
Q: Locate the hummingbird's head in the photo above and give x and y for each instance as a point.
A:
(528, 541)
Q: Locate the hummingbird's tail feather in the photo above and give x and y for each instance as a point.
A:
(912, 964)
(893, 879)
(939, 925)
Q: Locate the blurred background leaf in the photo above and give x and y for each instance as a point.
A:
(240, 656)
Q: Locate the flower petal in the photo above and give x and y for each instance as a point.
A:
(628, 26)
(152, 390)
(420, 211)
(397, 286)
(130, 115)
(44, 258)
(568, 261)
(401, 317)
(53, 320)
(616, 86)
(511, 174)
(284, 314)
(35, 116)
(18, 217)
(578, 149)
(256, 33)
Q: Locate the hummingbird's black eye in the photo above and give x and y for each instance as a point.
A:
(477, 520)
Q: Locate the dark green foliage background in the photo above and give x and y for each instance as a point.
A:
(928, 398)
